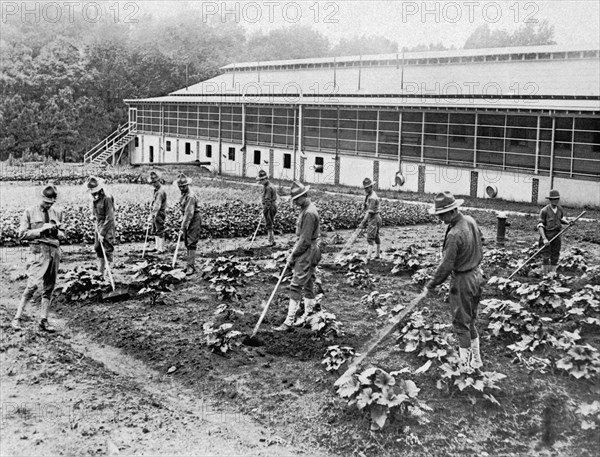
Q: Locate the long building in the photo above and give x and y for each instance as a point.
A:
(509, 122)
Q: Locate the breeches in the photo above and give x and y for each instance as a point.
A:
(42, 269)
(192, 235)
(551, 253)
(373, 226)
(304, 273)
(269, 213)
(158, 224)
(465, 293)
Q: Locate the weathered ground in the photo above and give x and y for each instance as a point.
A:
(101, 386)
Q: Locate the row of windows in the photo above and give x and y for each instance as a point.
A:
(498, 140)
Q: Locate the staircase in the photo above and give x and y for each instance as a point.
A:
(114, 144)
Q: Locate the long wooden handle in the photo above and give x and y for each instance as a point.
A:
(378, 339)
(256, 231)
(146, 239)
(542, 248)
(106, 265)
(349, 243)
(264, 311)
(179, 235)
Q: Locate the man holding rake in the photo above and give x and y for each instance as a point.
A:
(269, 202)
(372, 220)
(103, 208)
(304, 258)
(191, 222)
(158, 213)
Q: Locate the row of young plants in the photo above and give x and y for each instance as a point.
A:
(69, 174)
(550, 318)
(228, 220)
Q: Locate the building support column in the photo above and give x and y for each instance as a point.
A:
(376, 174)
(421, 179)
(474, 184)
(220, 145)
(552, 153)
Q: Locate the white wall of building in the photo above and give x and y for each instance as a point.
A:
(512, 186)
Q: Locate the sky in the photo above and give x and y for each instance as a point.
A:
(409, 23)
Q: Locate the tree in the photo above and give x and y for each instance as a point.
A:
(364, 45)
(297, 42)
(529, 34)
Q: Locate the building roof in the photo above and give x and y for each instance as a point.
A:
(548, 77)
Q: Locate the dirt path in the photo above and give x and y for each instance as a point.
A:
(66, 395)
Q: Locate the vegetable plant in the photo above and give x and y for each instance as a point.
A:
(336, 356)
(158, 278)
(221, 338)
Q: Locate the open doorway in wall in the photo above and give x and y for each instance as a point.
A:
(256, 157)
(151, 154)
(208, 151)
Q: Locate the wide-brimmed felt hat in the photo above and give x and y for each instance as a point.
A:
(298, 189)
(553, 194)
(444, 202)
(94, 184)
(262, 174)
(154, 177)
(49, 193)
(368, 183)
(183, 180)
(400, 180)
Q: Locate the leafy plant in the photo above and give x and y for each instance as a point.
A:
(495, 257)
(158, 278)
(227, 311)
(590, 413)
(584, 306)
(474, 380)
(382, 395)
(579, 360)
(574, 259)
(226, 275)
(506, 286)
(324, 325)
(426, 338)
(358, 274)
(411, 259)
(336, 356)
(376, 300)
(592, 275)
(422, 276)
(547, 295)
(221, 338)
(82, 284)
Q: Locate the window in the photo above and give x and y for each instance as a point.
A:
(256, 157)
(231, 153)
(209, 150)
(287, 160)
(151, 149)
(319, 164)
(168, 146)
(137, 141)
(188, 148)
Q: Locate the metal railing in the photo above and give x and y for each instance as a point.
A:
(111, 144)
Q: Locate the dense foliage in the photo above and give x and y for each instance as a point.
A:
(228, 220)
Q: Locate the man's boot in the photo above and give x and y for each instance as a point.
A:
(25, 299)
(191, 262)
(464, 359)
(309, 306)
(476, 361)
(369, 252)
(271, 238)
(377, 251)
(160, 243)
(46, 327)
(291, 315)
(545, 269)
(553, 269)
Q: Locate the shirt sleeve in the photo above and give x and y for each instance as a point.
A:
(445, 268)
(157, 203)
(188, 212)
(25, 230)
(109, 216)
(542, 218)
(305, 237)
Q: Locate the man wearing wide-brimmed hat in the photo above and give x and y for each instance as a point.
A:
(158, 213)
(191, 223)
(269, 202)
(103, 208)
(462, 254)
(40, 225)
(305, 257)
(550, 223)
(372, 219)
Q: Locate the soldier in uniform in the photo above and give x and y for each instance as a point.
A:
(550, 223)
(304, 258)
(269, 202)
(158, 213)
(103, 208)
(191, 221)
(372, 220)
(462, 254)
(40, 225)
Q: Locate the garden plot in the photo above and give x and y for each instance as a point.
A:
(534, 394)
